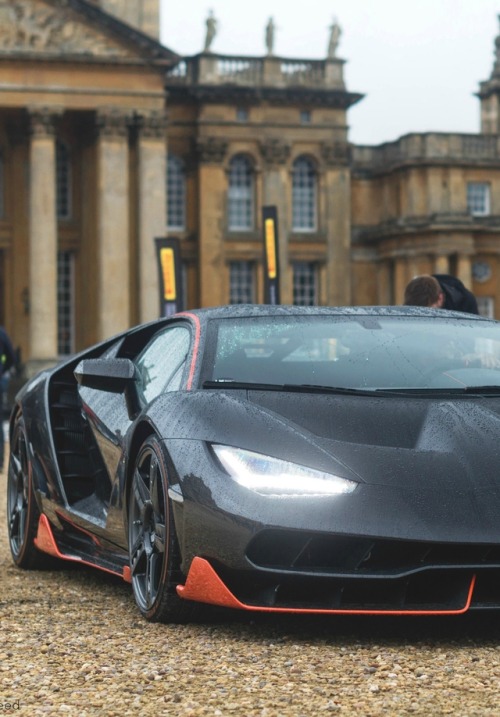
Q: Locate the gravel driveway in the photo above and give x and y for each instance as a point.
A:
(72, 642)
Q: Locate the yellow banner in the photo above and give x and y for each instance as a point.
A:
(270, 248)
(168, 271)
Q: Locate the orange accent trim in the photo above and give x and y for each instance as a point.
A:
(127, 574)
(204, 585)
(194, 357)
(46, 542)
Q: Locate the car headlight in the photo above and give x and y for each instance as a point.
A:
(272, 476)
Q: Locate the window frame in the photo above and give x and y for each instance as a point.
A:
(176, 193)
(66, 302)
(478, 203)
(241, 194)
(64, 181)
(304, 195)
(311, 287)
(247, 286)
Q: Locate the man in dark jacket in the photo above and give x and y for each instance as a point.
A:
(456, 296)
(7, 360)
(440, 291)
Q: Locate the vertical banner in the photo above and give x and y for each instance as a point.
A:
(169, 267)
(271, 261)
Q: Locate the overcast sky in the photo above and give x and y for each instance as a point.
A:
(418, 62)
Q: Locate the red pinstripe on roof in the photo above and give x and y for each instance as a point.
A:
(194, 358)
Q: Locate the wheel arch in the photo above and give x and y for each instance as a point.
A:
(142, 432)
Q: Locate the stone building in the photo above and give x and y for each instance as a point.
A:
(82, 170)
(244, 133)
(101, 127)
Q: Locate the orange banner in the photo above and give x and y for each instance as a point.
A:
(270, 248)
(168, 271)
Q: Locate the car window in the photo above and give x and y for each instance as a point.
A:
(162, 361)
(359, 352)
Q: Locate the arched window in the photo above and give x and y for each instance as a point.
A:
(304, 190)
(176, 194)
(241, 194)
(63, 181)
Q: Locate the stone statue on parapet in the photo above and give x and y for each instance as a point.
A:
(333, 43)
(211, 32)
(270, 30)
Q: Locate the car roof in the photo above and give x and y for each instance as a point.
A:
(262, 310)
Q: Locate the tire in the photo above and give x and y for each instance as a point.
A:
(153, 548)
(23, 513)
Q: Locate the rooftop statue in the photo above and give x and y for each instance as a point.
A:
(335, 33)
(211, 24)
(270, 29)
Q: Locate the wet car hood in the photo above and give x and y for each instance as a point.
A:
(400, 441)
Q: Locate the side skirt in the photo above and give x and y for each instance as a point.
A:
(46, 543)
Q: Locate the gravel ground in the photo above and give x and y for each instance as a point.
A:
(72, 642)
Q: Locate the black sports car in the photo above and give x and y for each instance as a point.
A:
(330, 460)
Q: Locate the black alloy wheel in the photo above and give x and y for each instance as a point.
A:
(22, 509)
(153, 548)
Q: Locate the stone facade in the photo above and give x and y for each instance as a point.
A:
(88, 107)
(78, 83)
(410, 214)
(271, 111)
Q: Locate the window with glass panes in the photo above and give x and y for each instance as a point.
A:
(241, 282)
(240, 195)
(304, 195)
(65, 303)
(486, 306)
(305, 283)
(478, 198)
(63, 181)
(176, 193)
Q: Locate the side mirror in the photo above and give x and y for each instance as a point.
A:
(118, 375)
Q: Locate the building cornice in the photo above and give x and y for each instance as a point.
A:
(221, 94)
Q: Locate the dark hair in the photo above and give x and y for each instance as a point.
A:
(422, 291)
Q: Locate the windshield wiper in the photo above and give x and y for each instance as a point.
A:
(298, 387)
(452, 390)
(482, 389)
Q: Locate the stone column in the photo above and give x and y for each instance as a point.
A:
(441, 264)
(275, 154)
(384, 288)
(400, 279)
(464, 269)
(42, 241)
(152, 209)
(213, 204)
(113, 230)
(337, 188)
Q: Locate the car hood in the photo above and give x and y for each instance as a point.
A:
(383, 440)
(400, 440)
(427, 468)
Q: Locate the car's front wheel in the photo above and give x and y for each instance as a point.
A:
(22, 509)
(153, 548)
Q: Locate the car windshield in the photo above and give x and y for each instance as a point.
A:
(358, 352)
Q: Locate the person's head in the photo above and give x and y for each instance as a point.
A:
(424, 290)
